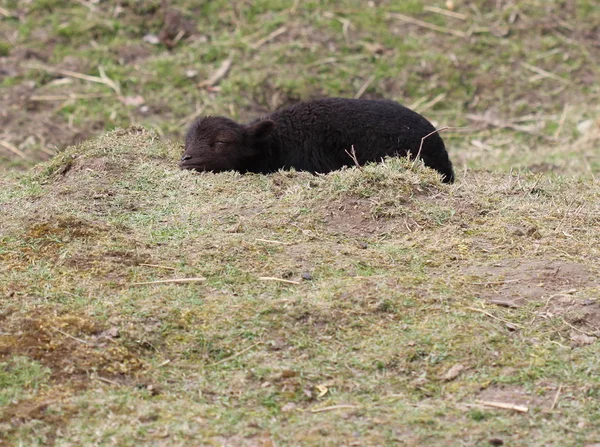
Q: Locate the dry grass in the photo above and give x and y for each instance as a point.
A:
(383, 330)
(372, 306)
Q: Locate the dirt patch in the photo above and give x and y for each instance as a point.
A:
(62, 228)
(77, 248)
(553, 283)
(71, 346)
(45, 239)
(516, 395)
(33, 126)
(91, 182)
(132, 53)
(21, 412)
(353, 217)
(72, 165)
(521, 280)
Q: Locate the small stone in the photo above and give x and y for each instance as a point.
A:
(306, 275)
(113, 332)
(496, 441)
(453, 372)
(511, 327)
(137, 100)
(363, 245)
(152, 39)
(290, 406)
(584, 126)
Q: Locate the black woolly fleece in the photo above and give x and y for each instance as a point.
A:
(314, 136)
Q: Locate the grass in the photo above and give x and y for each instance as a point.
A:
(543, 65)
(403, 304)
(403, 273)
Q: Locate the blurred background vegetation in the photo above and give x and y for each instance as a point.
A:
(520, 78)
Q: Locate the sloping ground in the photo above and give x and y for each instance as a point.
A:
(394, 310)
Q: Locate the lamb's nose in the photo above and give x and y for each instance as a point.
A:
(186, 157)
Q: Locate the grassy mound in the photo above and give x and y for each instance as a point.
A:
(368, 306)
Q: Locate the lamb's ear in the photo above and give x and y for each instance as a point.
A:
(260, 130)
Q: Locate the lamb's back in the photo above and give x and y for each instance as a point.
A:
(315, 135)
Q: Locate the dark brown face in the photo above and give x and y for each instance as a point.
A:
(219, 144)
(213, 144)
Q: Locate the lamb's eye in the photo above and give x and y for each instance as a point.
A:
(221, 144)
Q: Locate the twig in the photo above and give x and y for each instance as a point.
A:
(5, 12)
(433, 102)
(102, 79)
(561, 122)
(112, 84)
(217, 75)
(430, 26)
(269, 241)
(235, 355)
(13, 149)
(69, 96)
(494, 316)
(504, 406)
(333, 407)
(423, 140)
(271, 278)
(48, 151)
(455, 15)
(532, 117)
(504, 303)
(364, 87)
(505, 125)
(352, 155)
(368, 277)
(544, 73)
(112, 382)
(178, 37)
(271, 36)
(555, 401)
(346, 25)
(169, 281)
(489, 283)
(87, 5)
(331, 60)
(589, 334)
(418, 102)
(158, 266)
(565, 215)
(294, 7)
(70, 336)
(188, 119)
(327, 60)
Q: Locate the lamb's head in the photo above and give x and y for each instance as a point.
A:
(219, 144)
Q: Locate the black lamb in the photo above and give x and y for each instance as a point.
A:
(315, 136)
